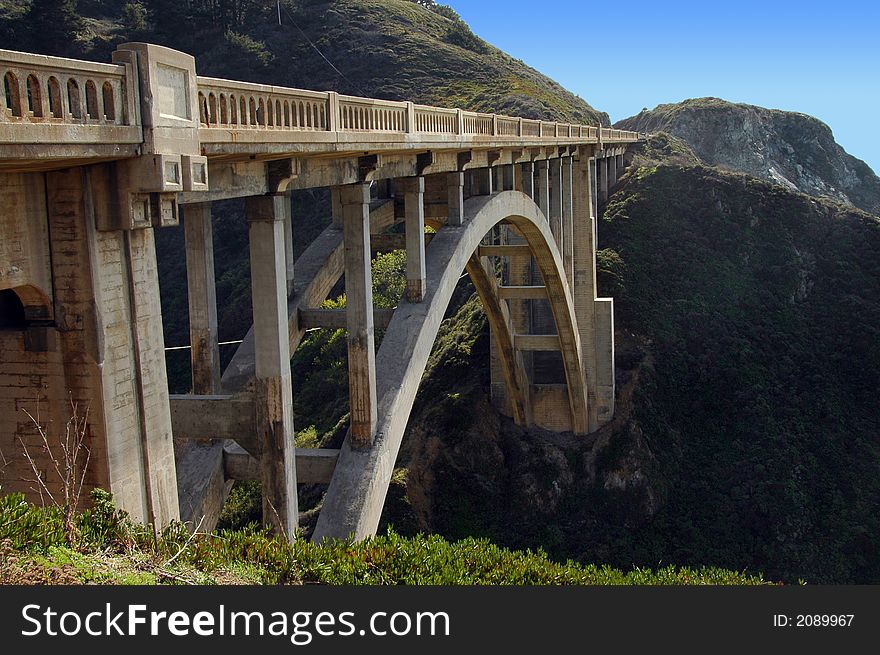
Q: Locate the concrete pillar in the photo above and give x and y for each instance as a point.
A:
(567, 216)
(612, 172)
(413, 189)
(359, 313)
(201, 292)
(108, 323)
(511, 177)
(273, 393)
(383, 189)
(542, 187)
(594, 184)
(605, 381)
(287, 218)
(584, 289)
(336, 206)
(602, 179)
(594, 197)
(527, 179)
(455, 192)
(497, 178)
(556, 201)
(481, 181)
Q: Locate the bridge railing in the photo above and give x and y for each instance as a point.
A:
(245, 105)
(42, 96)
(56, 100)
(235, 105)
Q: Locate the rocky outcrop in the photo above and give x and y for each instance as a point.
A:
(793, 150)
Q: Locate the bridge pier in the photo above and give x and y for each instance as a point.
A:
(455, 198)
(555, 166)
(542, 187)
(359, 312)
(526, 180)
(202, 299)
(273, 392)
(79, 297)
(567, 244)
(413, 189)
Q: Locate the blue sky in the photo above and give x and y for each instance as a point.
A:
(819, 58)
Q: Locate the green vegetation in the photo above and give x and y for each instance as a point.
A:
(748, 351)
(114, 550)
(393, 49)
(758, 310)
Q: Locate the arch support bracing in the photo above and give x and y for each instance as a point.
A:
(356, 494)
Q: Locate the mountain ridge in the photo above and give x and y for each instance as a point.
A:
(792, 149)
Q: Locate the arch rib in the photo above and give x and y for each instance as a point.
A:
(354, 500)
(499, 322)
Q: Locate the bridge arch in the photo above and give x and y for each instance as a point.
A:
(356, 495)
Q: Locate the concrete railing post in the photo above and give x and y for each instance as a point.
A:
(273, 393)
(359, 313)
(171, 162)
(333, 118)
(410, 118)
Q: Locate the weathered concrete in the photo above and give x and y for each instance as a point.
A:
(555, 215)
(212, 416)
(202, 297)
(146, 132)
(567, 245)
(413, 189)
(531, 292)
(356, 494)
(585, 279)
(605, 379)
(273, 394)
(516, 390)
(313, 465)
(455, 191)
(536, 342)
(359, 308)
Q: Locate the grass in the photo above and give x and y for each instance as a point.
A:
(111, 549)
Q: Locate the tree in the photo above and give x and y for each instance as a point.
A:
(55, 28)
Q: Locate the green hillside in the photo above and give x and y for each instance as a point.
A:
(104, 547)
(747, 433)
(390, 49)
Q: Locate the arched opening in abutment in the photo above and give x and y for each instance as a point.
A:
(11, 311)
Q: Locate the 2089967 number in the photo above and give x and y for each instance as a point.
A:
(824, 620)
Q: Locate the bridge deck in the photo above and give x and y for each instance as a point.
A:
(58, 112)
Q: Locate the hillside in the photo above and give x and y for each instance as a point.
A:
(748, 364)
(747, 314)
(390, 49)
(102, 546)
(794, 150)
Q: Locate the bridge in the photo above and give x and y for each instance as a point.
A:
(95, 157)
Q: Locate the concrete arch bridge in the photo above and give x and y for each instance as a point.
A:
(95, 157)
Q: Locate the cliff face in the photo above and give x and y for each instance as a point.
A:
(790, 149)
